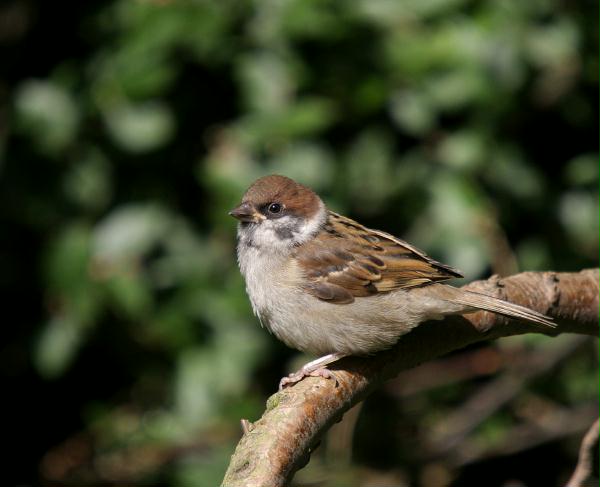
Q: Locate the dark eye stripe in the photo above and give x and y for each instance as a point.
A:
(273, 209)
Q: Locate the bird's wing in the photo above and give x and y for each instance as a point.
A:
(348, 260)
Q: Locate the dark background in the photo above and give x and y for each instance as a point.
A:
(129, 128)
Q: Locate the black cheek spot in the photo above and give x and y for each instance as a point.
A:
(286, 230)
(284, 233)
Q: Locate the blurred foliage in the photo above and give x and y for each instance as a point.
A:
(128, 129)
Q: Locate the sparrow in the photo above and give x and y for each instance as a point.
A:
(329, 286)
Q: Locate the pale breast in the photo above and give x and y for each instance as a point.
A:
(269, 278)
(302, 321)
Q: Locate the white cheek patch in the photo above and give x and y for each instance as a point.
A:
(285, 232)
(311, 227)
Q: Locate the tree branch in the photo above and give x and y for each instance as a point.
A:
(279, 443)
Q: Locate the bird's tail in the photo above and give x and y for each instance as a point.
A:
(480, 301)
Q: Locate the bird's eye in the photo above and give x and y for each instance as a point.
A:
(274, 208)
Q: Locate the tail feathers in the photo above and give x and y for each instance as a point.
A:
(488, 303)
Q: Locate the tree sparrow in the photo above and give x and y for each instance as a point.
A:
(326, 285)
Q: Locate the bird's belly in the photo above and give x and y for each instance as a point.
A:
(363, 327)
(306, 323)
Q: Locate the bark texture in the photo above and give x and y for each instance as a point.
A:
(280, 442)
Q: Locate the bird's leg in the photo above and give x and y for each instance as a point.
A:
(316, 368)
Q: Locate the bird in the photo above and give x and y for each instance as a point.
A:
(328, 286)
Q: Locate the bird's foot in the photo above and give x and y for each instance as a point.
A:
(316, 368)
(301, 374)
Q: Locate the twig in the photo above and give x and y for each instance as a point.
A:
(449, 370)
(556, 424)
(281, 441)
(491, 397)
(584, 467)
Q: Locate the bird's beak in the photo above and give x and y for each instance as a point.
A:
(246, 213)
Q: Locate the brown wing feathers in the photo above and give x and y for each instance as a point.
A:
(340, 269)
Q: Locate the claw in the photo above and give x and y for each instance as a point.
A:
(301, 374)
(316, 368)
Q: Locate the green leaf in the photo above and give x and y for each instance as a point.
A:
(57, 345)
(141, 127)
(129, 232)
(47, 113)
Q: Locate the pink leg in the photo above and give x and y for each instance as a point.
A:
(316, 368)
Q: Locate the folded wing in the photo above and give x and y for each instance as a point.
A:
(353, 261)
